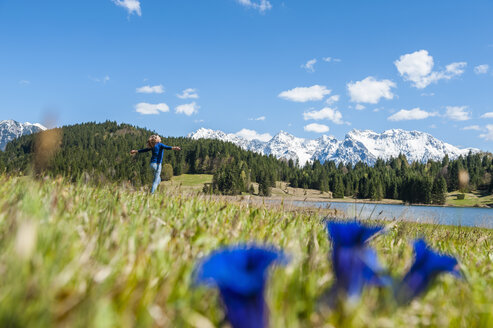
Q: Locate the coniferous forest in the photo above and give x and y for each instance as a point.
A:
(99, 153)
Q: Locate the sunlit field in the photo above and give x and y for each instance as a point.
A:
(72, 255)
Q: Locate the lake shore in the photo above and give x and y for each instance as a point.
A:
(282, 192)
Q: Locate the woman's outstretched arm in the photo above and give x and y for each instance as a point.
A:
(169, 147)
(133, 151)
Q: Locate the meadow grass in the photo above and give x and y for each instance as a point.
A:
(471, 199)
(72, 255)
(192, 180)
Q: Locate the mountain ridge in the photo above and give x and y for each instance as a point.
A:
(10, 130)
(358, 145)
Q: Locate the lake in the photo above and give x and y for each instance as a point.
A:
(457, 216)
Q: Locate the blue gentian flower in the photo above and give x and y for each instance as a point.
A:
(240, 273)
(426, 267)
(355, 263)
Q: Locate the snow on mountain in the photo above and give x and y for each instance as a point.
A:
(366, 146)
(10, 130)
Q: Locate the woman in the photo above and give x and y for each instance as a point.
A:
(154, 144)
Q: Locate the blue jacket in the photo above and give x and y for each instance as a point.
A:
(157, 152)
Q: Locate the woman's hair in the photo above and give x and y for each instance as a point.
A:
(153, 140)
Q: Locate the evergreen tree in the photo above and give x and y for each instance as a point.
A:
(439, 191)
(455, 168)
(338, 187)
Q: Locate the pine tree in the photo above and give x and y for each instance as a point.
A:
(338, 187)
(439, 191)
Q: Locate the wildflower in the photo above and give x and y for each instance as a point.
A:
(240, 273)
(426, 267)
(355, 263)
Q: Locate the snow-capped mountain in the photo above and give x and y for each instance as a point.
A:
(366, 146)
(10, 129)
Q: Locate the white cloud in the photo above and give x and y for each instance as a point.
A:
(326, 113)
(261, 5)
(430, 94)
(457, 113)
(454, 69)
(412, 114)
(315, 127)
(304, 94)
(370, 90)
(417, 67)
(132, 6)
(253, 135)
(482, 69)
(359, 107)
(260, 118)
(472, 127)
(331, 59)
(188, 94)
(187, 109)
(198, 121)
(149, 89)
(151, 109)
(489, 133)
(487, 115)
(309, 65)
(332, 99)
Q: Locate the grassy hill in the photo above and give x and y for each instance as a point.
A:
(99, 153)
(72, 255)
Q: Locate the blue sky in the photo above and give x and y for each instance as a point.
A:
(253, 66)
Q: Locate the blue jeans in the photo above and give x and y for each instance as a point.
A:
(157, 176)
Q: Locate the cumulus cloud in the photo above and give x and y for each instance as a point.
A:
(309, 65)
(359, 107)
(332, 99)
(187, 109)
(132, 6)
(304, 94)
(370, 90)
(412, 114)
(457, 113)
(482, 69)
(151, 89)
(487, 115)
(253, 135)
(472, 127)
(454, 69)
(489, 133)
(188, 94)
(326, 113)
(417, 67)
(260, 118)
(262, 5)
(151, 109)
(315, 127)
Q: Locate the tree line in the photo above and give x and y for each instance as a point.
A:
(99, 153)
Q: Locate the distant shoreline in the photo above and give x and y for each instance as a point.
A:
(356, 200)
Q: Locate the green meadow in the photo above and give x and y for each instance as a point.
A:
(74, 255)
